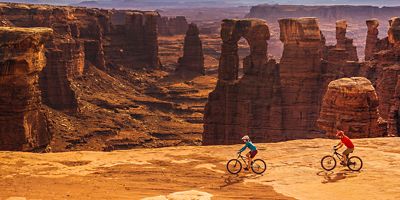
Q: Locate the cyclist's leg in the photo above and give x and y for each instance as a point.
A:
(346, 155)
(248, 155)
(252, 155)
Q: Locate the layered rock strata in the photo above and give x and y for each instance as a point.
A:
(351, 104)
(22, 56)
(193, 57)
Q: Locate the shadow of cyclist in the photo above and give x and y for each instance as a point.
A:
(331, 177)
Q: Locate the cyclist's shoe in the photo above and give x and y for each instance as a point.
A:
(246, 169)
(342, 163)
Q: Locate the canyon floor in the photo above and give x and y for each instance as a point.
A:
(293, 172)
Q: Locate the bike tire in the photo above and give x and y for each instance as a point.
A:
(326, 161)
(354, 163)
(234, 166)
(258, 166)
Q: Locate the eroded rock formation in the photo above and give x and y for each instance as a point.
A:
(351, 104)
(193, 57)
(22, 55)
(300, 74)
(247, 105)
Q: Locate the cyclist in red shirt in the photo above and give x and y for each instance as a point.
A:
(344, 140)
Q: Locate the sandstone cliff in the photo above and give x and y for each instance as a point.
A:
(23, 126)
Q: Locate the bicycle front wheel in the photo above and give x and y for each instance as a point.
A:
(328, 163)
(354, 163)
(234, 166)
(258, 166)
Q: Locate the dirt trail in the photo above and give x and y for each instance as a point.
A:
(175, 172)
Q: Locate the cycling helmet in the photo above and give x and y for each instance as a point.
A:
(339, 133)
(246, 137)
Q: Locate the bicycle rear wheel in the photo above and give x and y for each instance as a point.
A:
(354, 163)
(258, 166)
(234, 166)
(328, 163)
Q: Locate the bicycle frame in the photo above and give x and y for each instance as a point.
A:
(338, 155)
(244, 159)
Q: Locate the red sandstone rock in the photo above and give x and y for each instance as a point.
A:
(351, 104)
(394, 31)
(22, 124)
(193, 58)
(372, 38)
(300, 72)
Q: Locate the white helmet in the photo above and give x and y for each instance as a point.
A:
(246, 137)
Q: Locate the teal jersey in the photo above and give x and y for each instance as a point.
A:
(249, 145)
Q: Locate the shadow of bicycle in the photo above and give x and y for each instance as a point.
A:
(332, 177)
(231, 179)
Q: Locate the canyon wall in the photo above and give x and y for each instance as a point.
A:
(23, 126)
(83, 36)
(169, 26)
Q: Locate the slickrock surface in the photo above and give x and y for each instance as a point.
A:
(23, 126)
(351, 104)
(193, 57)
(294, 172)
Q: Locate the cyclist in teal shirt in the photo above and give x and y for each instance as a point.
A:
(253, 149)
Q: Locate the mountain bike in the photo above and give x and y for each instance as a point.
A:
(354, 163)
(234, 166)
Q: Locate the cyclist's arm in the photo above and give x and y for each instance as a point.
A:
(243, 148)
(339, 145)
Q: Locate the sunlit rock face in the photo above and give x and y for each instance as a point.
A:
(351, 104)
(22, 57)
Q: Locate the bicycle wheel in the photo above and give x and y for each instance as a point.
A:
(258, 166)
(234, 166)
(328, 163)
(354, 163)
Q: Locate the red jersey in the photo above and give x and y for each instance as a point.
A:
(347, 142)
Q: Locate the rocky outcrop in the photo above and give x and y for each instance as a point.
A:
(351, 104)
(168, 26)
(248, 105)
(300, 74)
(22, 55)
(343, 43)
(394, 31)
(372, 38)
(193, 58)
